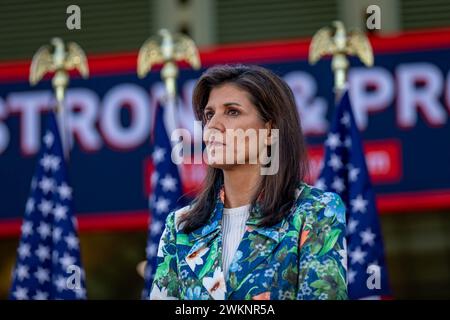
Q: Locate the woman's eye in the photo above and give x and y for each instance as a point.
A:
(208, 115)
(233, 112)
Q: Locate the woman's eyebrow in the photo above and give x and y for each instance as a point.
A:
(232, 103)
(226, 104)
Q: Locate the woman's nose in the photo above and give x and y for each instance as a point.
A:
(215, 123)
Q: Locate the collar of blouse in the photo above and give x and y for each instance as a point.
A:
(214, 224)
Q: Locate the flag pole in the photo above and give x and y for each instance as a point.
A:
(60, 61)
(164, 48)
(344, 169)
(167, 49)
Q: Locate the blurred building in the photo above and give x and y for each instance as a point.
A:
(109, 26)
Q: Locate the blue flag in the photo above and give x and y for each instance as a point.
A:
(345, 172)
(48, 264)
(166, 192)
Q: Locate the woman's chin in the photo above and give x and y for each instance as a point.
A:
(228, 166)
(220, 165)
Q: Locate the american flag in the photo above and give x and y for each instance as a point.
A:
(344, 171)
(166, 189)
(48, 264)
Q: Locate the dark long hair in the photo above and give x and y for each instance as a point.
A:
(274, 101)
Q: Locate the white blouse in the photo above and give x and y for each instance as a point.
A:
(233, 229)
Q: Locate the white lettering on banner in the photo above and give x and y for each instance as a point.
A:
(93, 122)
(29, 105)
(158, 94)
(82, 105)
(117, 136)
(412, 96)
(365, 102)
(4, 133)
(312, 109)
(188, 119)
(379, 162)
(189, 128)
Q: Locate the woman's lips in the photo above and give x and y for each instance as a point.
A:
(215, 143)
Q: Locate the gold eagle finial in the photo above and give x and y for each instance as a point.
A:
(339, 44)
(167, 49)
(59, 61)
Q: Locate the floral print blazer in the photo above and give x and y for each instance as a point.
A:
(301, 257)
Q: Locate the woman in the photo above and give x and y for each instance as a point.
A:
(250, 233)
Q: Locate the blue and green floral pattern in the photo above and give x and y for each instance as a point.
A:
(301, 257)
